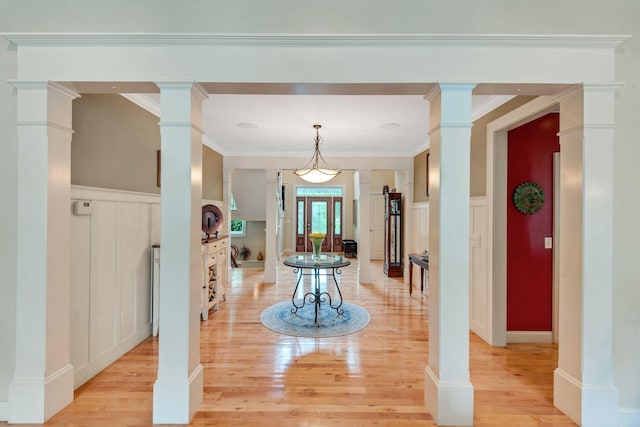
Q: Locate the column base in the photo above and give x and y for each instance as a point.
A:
(450, 403)
(34, 401)
(587, 406)
(175, 402)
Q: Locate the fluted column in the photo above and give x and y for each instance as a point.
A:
(448, 390)
(177, 393)
(43, 379)
(583, 381)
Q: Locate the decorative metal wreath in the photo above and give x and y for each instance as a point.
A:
(528, 197)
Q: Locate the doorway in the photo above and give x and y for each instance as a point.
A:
(530, 220)
(319, 214)
(377, 227)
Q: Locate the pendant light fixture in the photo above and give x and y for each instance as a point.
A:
(315, 171)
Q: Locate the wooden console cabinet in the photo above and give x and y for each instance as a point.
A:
(215, 259)
(393, 234)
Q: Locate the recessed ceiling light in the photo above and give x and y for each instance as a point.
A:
(246, 125)
(389, 125)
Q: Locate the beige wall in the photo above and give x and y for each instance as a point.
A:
(255, 240)
(420, 177)
(479, 144)
(115, 146)
(380, 178)
(211, 174)
(478, 154)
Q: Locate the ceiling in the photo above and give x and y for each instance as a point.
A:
(357, 120)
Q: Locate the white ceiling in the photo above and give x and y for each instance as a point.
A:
(357, 119)
(352, 125)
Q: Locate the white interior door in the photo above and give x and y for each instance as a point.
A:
(377, 227)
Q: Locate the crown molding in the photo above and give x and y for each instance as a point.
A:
(143, 101)
(44, 84)
(206, 140)
(489, 105)
(275, 39)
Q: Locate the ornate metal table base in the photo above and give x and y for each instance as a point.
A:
(316, 296)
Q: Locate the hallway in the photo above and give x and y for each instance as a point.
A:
(255, 377)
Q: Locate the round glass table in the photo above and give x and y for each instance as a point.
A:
(317, 266)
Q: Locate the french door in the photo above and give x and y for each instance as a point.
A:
(319, 214)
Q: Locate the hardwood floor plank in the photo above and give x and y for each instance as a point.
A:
(375, 377)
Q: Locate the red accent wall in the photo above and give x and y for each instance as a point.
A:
(529, 264)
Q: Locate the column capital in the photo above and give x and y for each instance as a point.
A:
(44, 84)
(438, 88)
(183, 85)
(457, 87)
(604, 87)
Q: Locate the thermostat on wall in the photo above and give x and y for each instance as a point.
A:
(83, 207)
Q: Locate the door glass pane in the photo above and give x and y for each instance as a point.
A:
(319, 216)
(337, 218)
(300, 217)
(319, 191)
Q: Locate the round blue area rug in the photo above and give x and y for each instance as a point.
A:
(279, 319)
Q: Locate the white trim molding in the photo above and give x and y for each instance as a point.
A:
(250, 39)
(537, 337)
(489, 105)
(629, 417)
(441, 396)
(4, 411)
(144, 101)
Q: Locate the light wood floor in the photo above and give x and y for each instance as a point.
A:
(255, 377)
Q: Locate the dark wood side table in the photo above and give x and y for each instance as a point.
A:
(418, 260)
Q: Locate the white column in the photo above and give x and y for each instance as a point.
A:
(226, 196)
(448, 390)
(177, 392)
(364, 226)
(271, 248)
(583, 381)
(43, 380)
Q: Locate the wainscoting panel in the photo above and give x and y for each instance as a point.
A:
(479, 294)
(105, 310)
(419, 236)
(80, 290)
(110, 276)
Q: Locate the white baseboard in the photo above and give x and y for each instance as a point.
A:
(35, 400)
(450, 403)
(93, 368)
(567, 395)
(628, 417)
(533, 337)
(4, 411)
(251, 264)
(176, 401)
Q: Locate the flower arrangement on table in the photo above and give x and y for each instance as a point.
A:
(316, 238)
